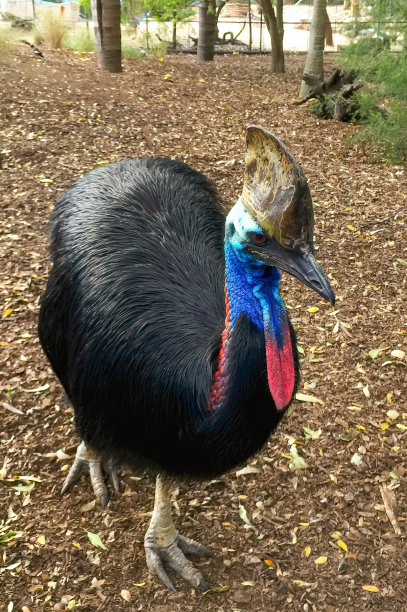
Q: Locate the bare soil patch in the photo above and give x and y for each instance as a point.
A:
(321, 534)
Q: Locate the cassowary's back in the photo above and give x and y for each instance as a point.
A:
(134, 308)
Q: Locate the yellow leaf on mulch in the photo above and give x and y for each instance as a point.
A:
(269, 563)
(7, 312)
(371, 588)
(41, 540)
(302, 397)
(342, 545)
(221, 589)
(301, 584)
(321, 560)
(307, 551)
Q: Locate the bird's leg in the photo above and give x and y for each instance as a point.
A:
(86, 459)
(165, 546)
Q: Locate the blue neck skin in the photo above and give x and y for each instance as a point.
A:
(252, 286)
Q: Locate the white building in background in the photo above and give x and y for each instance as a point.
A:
(27, 8)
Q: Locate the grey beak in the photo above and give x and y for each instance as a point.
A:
(301, 264)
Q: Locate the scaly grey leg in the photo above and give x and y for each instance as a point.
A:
(165, 546)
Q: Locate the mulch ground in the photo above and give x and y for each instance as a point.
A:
(327, 537)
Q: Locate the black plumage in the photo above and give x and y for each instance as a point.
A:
(132, 319)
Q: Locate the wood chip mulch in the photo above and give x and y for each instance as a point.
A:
(329, 537)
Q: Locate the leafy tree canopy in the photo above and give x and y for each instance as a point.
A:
(85, 9)
(169, 10)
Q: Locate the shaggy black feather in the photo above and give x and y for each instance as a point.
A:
(132, 318)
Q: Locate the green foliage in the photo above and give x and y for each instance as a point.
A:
(158, 49)
(387, 129)
(134, 52)
(130, 9)
(324, 107)
(169, 10)
(80, 39)
(387, 70)
(85, 9)
(384, 12)
(385, 20)
(383, 101)
(7, 40)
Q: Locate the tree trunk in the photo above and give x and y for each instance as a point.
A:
(355, 8)
(314, 64)
(106, 20)
(207, 30)
(174, 31)
(328, 31)
(277, 53)
(346, 5)
(280, 21)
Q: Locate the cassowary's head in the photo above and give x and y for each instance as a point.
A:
(273, 220)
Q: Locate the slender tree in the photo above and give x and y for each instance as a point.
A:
(174, 11)
(106, 20)
(280, 20)
(314, 64)
(329, 40)
(355, 8)
(207, 30)
(275, 27)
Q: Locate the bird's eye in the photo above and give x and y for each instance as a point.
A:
(258, 238)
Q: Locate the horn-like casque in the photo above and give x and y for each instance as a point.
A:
(276, 192)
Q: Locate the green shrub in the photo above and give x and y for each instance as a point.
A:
(133, 51)
(385, 69)
(80, 39)
(7, 41)
(386, 129)
(324, 107)
(383, 100)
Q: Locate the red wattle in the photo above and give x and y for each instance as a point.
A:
(280, 368)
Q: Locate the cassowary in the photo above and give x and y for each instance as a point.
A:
(165, 325)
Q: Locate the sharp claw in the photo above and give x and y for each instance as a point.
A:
(162, 575)
(104, 499)
(173, 557)
(98, 482)
(115, 479)
(73, 476)
(155, 566)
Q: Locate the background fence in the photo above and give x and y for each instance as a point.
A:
(238, 19)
